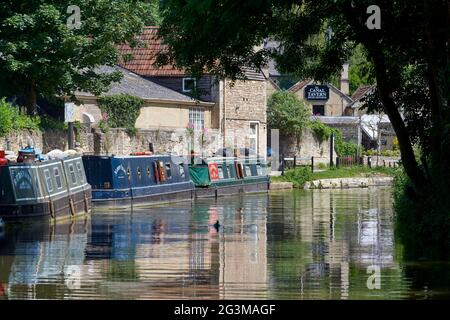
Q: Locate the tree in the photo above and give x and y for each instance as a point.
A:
(316, 37)
(287, 113)
(42, 54)
(361, 70)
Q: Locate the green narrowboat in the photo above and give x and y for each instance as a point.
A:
(222, 176)
(54, 189)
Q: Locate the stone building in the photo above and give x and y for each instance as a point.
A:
(323, 100)
(237, 110)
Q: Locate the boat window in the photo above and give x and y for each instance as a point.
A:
(57, 178)
(48, 180)
(182, 172)
(248, 171)
(73, 177)
(148, 172)
(168, 171)
(80, 171)
(259, 170)
(139, 173)
(129, 174)
(220, 170)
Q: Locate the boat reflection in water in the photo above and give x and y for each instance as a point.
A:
(293, 245)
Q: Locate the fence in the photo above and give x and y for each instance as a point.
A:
(349, 161)
(293, 162)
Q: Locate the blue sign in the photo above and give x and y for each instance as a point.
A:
(317, 92)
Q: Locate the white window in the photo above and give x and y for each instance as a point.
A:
(253, 135)
(48, 180)
(197, 118)
(189, 84)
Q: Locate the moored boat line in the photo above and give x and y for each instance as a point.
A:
(125, 180)
(67, 187)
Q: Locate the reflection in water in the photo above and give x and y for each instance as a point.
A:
(293, 245)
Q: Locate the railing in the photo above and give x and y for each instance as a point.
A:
(293, 162)
(349, 161)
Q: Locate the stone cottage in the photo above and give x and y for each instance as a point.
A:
(238, 110)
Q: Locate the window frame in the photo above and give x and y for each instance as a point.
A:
(184, 89)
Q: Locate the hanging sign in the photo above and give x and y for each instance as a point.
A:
(317, 92)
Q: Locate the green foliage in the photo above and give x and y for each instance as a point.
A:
(321, 130)
(383, 153)
(298, 176)
(361, 71)
(120, 111)
(48, 122)
(6, 117)
(11, 119)
(422, 222)
(24, 122)
(324, 132)
(287, 113)
(41, 55)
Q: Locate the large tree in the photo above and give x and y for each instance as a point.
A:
(41, 53)
(316, 37)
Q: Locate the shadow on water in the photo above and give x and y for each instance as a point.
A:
(282, 245)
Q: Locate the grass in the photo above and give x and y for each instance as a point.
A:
(301, 175)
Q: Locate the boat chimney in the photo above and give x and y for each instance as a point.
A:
(150, 147)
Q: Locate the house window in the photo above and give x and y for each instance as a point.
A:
(254, 128)
(197, 118)
(189, 84)
(319, 110)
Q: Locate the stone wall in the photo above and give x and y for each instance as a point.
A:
(246, 103)
(309, 146)
(117, 141)
(177, 141)
(349, 131)
(46, 140)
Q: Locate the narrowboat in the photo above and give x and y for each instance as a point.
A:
(54, 189)
(222, 176)
(125, 180)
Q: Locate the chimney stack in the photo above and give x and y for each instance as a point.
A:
(345, 83)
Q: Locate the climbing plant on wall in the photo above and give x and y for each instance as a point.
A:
(121, 111)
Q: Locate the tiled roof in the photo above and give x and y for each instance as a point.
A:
(299, 85)
(360, 92)
(336, 120)
(137, 86)
(144, 57)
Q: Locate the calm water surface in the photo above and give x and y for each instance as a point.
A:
(285, 245)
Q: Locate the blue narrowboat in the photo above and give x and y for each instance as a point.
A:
(229, 176)
(122, 180)
(54, 189)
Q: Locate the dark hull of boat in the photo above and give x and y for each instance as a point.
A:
(64, 208)
(233, 188)
(151, 199)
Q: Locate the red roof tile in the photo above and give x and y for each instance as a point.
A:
(299, 85)
(144, 58)
(360, 92)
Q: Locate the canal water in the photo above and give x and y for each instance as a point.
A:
(336, 244)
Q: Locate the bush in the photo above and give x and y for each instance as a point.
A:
(121, 111)
(53, 124)
(6, 117)
(322, 131)
(422, 221)
(287, 113)
(298, 176)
